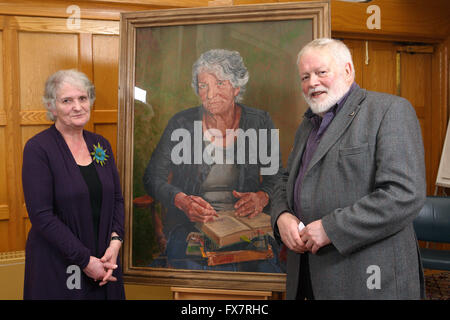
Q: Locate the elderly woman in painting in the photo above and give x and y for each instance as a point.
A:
(194, 184)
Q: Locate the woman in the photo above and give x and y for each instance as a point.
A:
(74, 200)
(198, 189)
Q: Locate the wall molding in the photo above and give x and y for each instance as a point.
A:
(12, 257)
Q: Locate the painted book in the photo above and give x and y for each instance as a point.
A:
(229, 229)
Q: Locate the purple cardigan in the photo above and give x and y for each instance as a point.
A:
(62, 235)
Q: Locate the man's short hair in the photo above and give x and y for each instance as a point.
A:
(337, 48)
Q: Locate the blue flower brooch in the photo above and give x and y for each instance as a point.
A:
(99, 154)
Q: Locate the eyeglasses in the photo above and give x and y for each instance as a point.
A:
(69, 101)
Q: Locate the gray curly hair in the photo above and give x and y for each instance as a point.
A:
(55, 82)
(225, 65)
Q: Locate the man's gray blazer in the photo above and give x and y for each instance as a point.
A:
(366, 181)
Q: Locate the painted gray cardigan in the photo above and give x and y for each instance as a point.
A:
(188, 178)
(366, 182)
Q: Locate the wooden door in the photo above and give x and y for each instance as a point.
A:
(415, 85)
(405, 71)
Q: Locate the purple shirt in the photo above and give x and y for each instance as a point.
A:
(320, 125)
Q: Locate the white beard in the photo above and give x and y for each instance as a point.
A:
(334, 94)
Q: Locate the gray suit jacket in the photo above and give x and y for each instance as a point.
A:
(366, 181)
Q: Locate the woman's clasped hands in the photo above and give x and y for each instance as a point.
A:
(101, 269)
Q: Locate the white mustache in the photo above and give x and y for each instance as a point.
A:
(317, 89)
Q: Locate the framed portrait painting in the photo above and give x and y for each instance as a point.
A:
(209, 103)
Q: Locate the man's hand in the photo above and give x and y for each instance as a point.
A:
(196, 208)
(288, 227)
(250, 203)
(314, 236)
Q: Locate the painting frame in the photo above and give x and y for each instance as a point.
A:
(316, 13)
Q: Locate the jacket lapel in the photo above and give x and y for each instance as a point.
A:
(339, 124)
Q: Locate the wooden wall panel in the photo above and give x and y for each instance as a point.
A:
(413, 19)
(380, 70)
(5, 209)
(375, 64)
(404, 70)
(110, 131)
(402, 20)
(27, 131)
(40, 55)
(2, 100)
(12, 134)
(4, 236)
(105, 58)
(358, 53)
(89, 9)
(3, 174)
(415, 85)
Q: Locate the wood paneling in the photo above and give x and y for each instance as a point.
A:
(413, 19)
(375, 64)
(4, 212)
(4, 236)
(406, 71)
(12, 135)
(105, 61)
(37, 62)
(34, 48)
(183, 293)
(440, 103)
(380, 67)
(415, 85)
(4, 209)
(89, 9)
(358, 52)
(60, 25)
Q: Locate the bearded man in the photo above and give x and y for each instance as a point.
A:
(355, 180)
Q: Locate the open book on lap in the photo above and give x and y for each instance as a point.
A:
(228, 229)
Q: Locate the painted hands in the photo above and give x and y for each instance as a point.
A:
(250, 203)
(196, 208)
